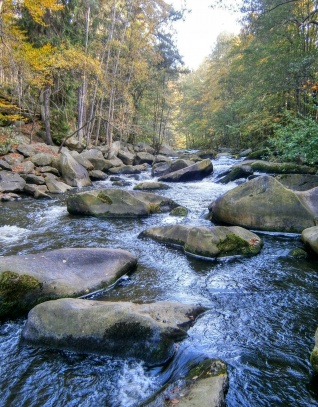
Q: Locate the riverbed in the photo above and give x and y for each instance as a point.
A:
(263, 310)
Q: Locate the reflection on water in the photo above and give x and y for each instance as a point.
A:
(261, 320)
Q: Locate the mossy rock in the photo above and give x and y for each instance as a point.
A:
(214, 242)
(299, 253)
(18, 293)
(179, 211)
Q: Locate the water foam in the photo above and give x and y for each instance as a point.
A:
(11, 234)
(134, 385)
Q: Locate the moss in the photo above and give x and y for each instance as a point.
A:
(314, 359)
(207, 368)
(154, 208)
(236, 245)
(179, 211)
(299, 253)
(14, 290)
(104, 198)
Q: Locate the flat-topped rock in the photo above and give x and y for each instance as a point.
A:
(213, 242)
(30, 279)
(118, 203)
(122, 329)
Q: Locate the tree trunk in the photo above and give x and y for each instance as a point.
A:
(45, 111)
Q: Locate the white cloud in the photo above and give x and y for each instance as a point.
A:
(198, 33)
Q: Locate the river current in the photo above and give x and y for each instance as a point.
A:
(263, 310)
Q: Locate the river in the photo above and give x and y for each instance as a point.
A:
(263, 310)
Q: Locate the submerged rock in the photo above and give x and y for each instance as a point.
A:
(265, 204)
(151, 185)
(122, 329)
(118, 203)
(30, 279)
(218, 241)
(193, 172)
(205, 385)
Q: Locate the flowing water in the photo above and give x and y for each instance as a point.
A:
(263, 310)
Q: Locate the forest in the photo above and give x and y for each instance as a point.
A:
(108, 70)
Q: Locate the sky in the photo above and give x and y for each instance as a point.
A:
(197, 35)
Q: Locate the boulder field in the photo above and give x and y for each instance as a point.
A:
(143, 331)
(213, 242)
(34, 278)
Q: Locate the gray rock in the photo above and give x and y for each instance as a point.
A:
(74, 144)
(114, 162)
(126, 157)
(25, 167)
(217, 241)
(81, 160)
(150, 185)
(4, 165)
(56, 187)
(160, 169)
(41, 159)
(167, 150)
(128, 169)
(50, 170)
(34, 179)
(37, 191)
(205, 385)
(9, 197)
(118, 203)
(144, 147)
(298, 182)
(197, 171)
(310, 237)
(122, 329)
(96, 157)
(73, 173)
(238, 171)
(11, 182)
(13, 158)
(144, 158)
(30, 279)
(113, 150)
(265, 204)
(97, 175)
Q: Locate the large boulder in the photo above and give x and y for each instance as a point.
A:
(118, 203)
(126, 157)
(310, 238)
(122, 329)
(73, 173)
(298, 182)
(30, 279)
(213, 242)
(238, 171)
(11, 182)
(144, 158)
(81, 160)
(193, 172)
(41, 159)
(314, 354)
(96, 157)
(265, 204)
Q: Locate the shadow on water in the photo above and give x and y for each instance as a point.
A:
(261, 318)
